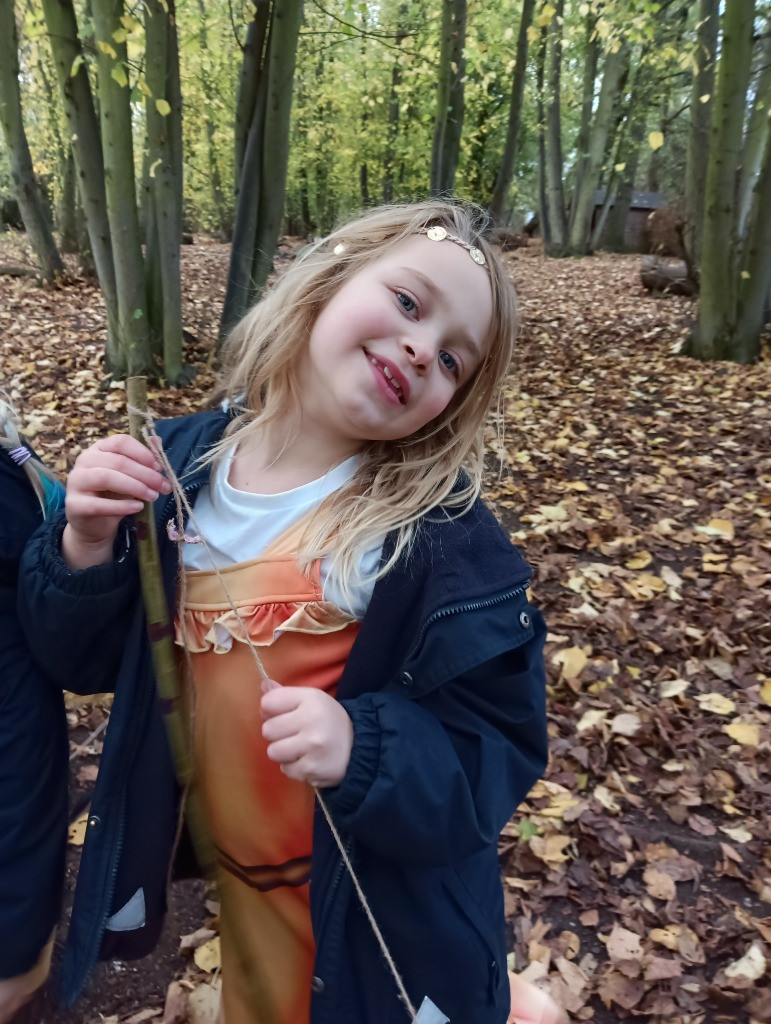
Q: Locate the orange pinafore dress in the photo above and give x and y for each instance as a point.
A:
(261, 821)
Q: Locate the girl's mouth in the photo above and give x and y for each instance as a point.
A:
(393, 379)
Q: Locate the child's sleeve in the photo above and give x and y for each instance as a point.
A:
(76, 621)
(435, 780)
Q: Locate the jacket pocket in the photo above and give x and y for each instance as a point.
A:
(489, 968)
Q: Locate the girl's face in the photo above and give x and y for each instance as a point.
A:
(391, 348)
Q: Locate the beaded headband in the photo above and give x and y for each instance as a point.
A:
(437, 234)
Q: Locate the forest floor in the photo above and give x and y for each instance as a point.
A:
(638, 483)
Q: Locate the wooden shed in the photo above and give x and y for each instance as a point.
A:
(642, 206)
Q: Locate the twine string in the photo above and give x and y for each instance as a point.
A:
(182, 506)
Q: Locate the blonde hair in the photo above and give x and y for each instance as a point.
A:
(397, 482)
(44, 483)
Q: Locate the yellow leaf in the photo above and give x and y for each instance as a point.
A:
(656, 140)
(120, 35)
(208, 956)
(589, 719)
(639, 561)
(716, 703)
(154, 167)
(765, 691)
(705, 98)
(572, 660)
(738, 834)
(130, 24)
(119, 74)
(752, 965)
(163, 108)
(144, 88)
(746, 733)
(619, 167)
(76, 833)
(106, 48)
(745, 275)
(673, 687)
(76, 65)
(718, 528)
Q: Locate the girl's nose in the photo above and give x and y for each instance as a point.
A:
(417, 351)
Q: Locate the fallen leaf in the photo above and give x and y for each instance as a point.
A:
(746, 733)
(752, 965)
(208, 956)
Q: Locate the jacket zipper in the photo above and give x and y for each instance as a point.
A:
(466, 606)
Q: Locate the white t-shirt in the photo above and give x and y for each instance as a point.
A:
(239, 526)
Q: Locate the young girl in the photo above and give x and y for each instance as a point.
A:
(337, 496)
(33, 746)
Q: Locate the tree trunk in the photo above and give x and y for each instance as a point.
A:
(25, 183)
(263, 177)
(224, 218)
(508, 160)
(699, 131)
(755, 141)
(591, 60)
(755, 280)
(134, 355)
(583, 201)
(67, 213)
(555, 195)
(165, 187)
(83, 127)
(393, 110)
(714, 337)
(448, 123)
(543, 206)
(248, 83)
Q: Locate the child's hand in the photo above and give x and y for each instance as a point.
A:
(531, 1005)
(308, 733)
(109, 480)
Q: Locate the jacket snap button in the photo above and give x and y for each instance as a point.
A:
(524, 620)
(93, 821)
(317, 985)
(406, 679)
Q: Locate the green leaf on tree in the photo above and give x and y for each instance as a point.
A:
(119, 74)
(163, 107)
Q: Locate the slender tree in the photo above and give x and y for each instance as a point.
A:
(720, 330)
(448, 122)
(508, 160)
(262, 183)
(26, 187)
(702, 90)
(552, 168)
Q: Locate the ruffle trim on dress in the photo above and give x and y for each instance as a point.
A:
(213, 629)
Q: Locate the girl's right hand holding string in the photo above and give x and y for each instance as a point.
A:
(110, 480)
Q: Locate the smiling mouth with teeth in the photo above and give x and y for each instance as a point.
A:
(395, 385)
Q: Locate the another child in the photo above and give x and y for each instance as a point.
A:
(338, 497)
(33, 746)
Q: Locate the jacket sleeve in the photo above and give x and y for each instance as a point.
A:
(75, 621)
(434, 781)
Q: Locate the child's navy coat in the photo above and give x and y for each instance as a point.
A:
(445, 687)
(33, 756)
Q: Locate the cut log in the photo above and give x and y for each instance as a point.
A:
(18, 270)
(666, 277)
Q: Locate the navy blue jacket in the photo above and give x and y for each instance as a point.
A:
(445, 687)
(33, 756)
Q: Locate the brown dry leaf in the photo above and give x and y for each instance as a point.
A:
(205, 1002)
(659, 884)
(187, 943)
(623, 944)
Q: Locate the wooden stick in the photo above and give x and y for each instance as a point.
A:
(160, 633)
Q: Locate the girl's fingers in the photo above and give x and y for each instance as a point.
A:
(286, 751)
(279, 727)
(146, 486)
(103, 507)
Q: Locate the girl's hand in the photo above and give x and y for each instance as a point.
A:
(109, 480)
(308, 733)
(531, 1005)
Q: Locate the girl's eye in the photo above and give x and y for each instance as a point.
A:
(407, 302)
(449, 362)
